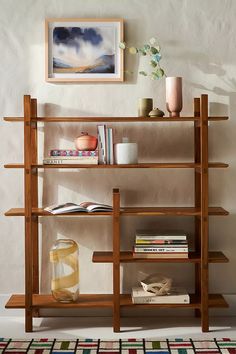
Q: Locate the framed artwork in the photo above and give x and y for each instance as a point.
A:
(84, 50)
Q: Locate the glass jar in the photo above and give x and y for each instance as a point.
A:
(65, 270)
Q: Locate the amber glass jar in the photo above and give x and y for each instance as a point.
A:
(65, 270)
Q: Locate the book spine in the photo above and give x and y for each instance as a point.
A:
(161, 242)
(160, 250)
(71, 158)
(111, 148)
(85, 161)
(159, 237)
(101, 144)
(71, 153)
(108, 146)
(105, 144)
(168, 255)
(157, 300)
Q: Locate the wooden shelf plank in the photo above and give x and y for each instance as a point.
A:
(113, 119)
(47, 301)
(14, 165)
(129, 211)
(41, 212)
(170, 211)
(87, 301)
(127, 257)
(140, 165)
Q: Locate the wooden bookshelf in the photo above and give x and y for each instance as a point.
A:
(32, 301)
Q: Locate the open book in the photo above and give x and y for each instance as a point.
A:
(82, 207)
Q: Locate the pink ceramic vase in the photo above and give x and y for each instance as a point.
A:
(174, 100)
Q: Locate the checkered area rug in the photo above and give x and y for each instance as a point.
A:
(122, 346)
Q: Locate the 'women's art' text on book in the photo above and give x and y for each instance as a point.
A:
(160, 249)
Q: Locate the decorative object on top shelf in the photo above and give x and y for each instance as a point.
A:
(152, 50)
(157, 284)
(174, 100)
(84, 49)
(145, 105)
(86, 142)
(65, 270)
(156, 112)
(126, 153)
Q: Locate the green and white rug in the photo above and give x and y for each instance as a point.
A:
(122, 346)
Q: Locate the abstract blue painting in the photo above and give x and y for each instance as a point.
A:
(83, 50)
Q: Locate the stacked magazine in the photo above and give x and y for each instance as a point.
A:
(157, 244)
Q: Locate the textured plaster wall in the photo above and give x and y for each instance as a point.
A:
(198, 43)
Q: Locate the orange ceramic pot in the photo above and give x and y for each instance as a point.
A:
(86, 142)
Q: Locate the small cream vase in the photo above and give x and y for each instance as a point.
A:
(126, 153)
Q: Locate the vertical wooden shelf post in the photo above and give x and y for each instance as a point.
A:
(28, 215)
(116, 260)
(204, 213)
(197, 197)
(34, 156)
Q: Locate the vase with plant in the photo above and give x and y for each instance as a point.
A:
(152, 51)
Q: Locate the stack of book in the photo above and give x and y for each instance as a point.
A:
(175, 296)
(105, 145)
(156, 244)
(71, 157)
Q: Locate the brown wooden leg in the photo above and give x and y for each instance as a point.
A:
(34, 177)
(28, 216)
(197, 194)
(116, 260)
(204, 214)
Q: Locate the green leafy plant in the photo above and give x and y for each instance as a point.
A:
(151, 49)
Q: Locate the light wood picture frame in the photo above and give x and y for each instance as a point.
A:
(84, 49)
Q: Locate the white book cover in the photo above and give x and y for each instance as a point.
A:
(176, 296)
(102, 144)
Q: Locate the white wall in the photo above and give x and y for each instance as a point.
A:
(198, 42)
